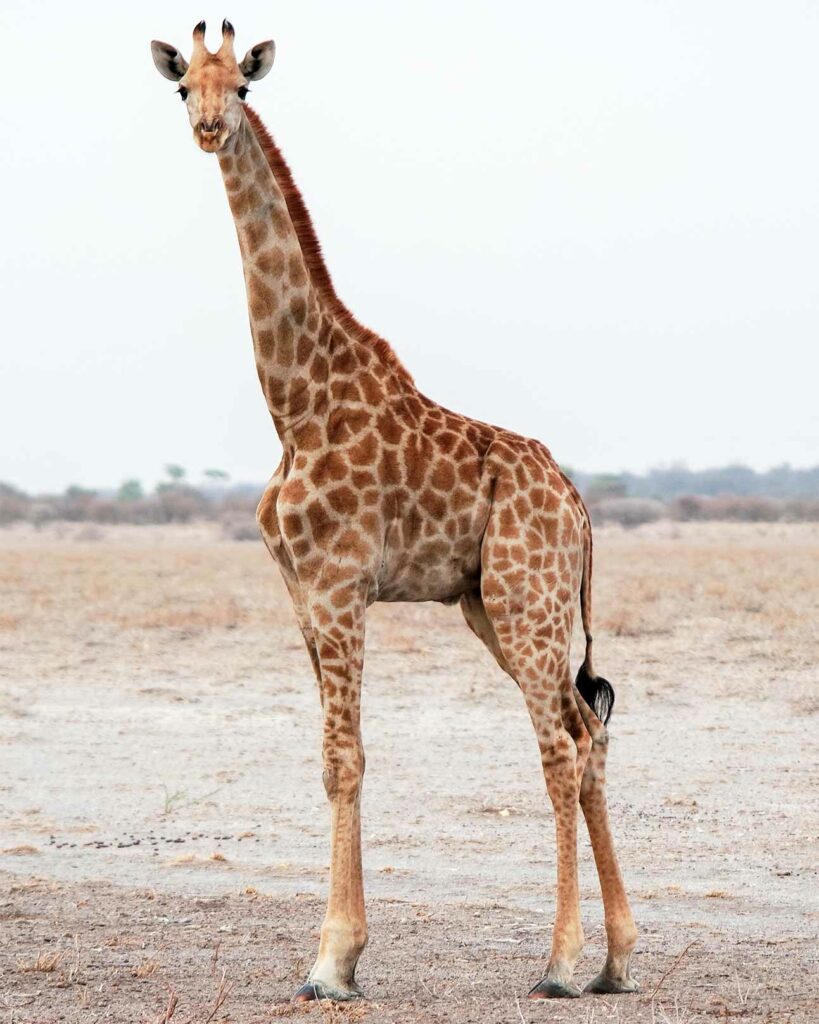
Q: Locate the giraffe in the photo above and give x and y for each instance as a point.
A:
(383, 495)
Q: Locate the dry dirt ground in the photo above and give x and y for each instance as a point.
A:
(163, 825)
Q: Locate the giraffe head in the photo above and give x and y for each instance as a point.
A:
(213, 85)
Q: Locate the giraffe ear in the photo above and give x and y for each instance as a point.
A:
(168, 60)
(258, 61)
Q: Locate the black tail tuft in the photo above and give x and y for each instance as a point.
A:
(598, 693)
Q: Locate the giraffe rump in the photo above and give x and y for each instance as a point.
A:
(597, 692)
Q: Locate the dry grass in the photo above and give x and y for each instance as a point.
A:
(206, 1014)
(44, 963)
(136, 592)
(674, 1013)
(189, 859)
(20, 851)
(671, 611)
(144, 969)
(326, 1011)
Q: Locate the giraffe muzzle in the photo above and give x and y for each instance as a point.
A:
(211, 127)
(211, 134)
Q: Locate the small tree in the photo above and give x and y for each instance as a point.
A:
(76, 504)
(218, 476)
(606, 485)
(130, 490)
(177, 475)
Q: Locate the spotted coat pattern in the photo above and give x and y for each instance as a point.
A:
(383, 495)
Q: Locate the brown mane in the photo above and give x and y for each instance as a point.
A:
(311, 250)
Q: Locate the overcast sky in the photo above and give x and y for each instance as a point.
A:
(597, 223)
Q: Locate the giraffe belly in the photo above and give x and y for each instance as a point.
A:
(447, 585)
(435, 566)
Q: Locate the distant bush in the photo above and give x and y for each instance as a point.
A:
(605, 486)
(802, 510)
(183, 504)
(727, 507)
(676, 481)
(14, 505)
(173, 502)
(42, 511)
(628, 512)
(77, 504)
(239, 526)
(731, 493)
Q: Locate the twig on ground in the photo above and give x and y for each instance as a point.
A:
(673, 967)
(743, 996)
(170, 1009)
(221, 995)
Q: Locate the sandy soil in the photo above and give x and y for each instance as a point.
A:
(162, 817)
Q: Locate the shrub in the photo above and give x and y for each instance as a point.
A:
(239, 526)
(628, 512)
(687, 508)
(76, 505)
(728, 508)
(802, 510)
(14, 505)
(182, 504)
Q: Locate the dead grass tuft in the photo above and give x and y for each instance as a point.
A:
(623, 622)
(191, 859)
(20, 851)
(144, 969)
(44, 964)
(330, 1012)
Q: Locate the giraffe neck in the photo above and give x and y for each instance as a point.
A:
(287, 321)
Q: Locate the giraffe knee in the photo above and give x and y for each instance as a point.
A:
(343, 773)
(558, 749)
(599, 737)
(583, 742)
(594, 774)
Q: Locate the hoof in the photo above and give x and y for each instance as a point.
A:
(550, 989)
(314, 990)
(604, 985)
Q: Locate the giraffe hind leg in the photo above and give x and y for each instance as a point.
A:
(541, 671)
(621, 933)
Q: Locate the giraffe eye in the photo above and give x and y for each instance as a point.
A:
(183, 92)
(243, 91)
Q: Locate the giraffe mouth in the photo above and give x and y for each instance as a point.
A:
(210, 139)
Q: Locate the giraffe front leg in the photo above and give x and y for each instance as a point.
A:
(339, 641)
(621, 932)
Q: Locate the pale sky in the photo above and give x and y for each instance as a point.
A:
(596, 223)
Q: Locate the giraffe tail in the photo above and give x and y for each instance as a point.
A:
(596, 691)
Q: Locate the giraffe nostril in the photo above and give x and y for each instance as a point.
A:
(215, 125)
